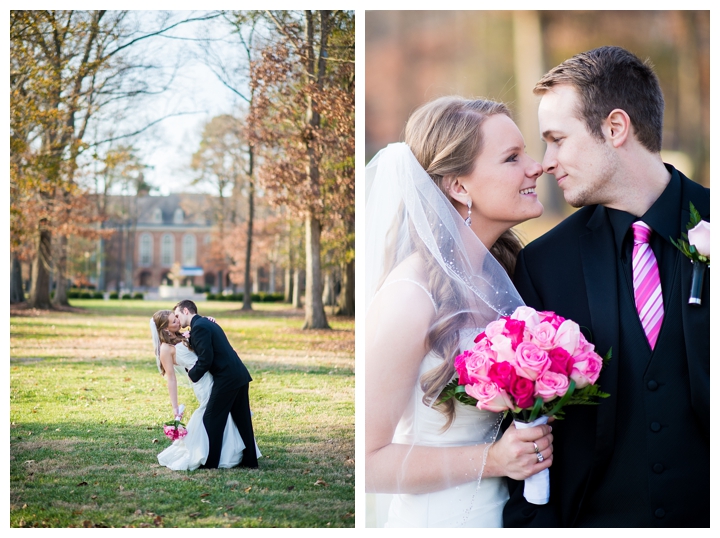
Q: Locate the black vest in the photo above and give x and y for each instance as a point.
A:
(642, 483)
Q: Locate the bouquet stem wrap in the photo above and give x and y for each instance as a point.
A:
(537, 487)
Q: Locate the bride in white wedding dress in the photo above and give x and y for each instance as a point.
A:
(439, 251)
(174, 358)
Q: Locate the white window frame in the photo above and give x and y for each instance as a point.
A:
(167, 250)
(146, 250)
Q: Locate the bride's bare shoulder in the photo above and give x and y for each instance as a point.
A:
(411, 268)
(406, 284)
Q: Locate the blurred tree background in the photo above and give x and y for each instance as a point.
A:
(415, 56)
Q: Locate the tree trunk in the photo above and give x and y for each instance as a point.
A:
(61, 298)
(256, 280)
(314, 312)
(328, 295)
(271, 278)
(346, 300)
(40, 273)
(288, 285)
(296, 288)
(101, 264)
(17, 295)
(247, 298)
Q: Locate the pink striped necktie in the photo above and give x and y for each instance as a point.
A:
(646, 283)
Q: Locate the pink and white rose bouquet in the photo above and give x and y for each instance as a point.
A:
(175, 429)
(530, 364)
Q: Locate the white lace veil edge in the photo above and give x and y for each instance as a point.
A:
(405, 211)
(156, 344)
(402, 201)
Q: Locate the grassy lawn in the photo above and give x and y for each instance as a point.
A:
(87, 406)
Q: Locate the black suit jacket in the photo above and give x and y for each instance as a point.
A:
(215, 355)
(572, 270)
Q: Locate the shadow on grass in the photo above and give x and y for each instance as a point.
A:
(110, 477)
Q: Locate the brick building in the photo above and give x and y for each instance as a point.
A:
(152, 235)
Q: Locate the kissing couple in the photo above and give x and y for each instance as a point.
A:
(443, 263)
(220, 430)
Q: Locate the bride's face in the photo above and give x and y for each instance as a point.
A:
(173, 323)
(502, 184)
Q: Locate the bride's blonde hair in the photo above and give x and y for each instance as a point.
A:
(445, 136)
(162, 320)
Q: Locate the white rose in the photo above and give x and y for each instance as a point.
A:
(699, 237)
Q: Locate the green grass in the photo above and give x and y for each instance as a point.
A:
(87, 405)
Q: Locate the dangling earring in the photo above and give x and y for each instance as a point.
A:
(468, 220)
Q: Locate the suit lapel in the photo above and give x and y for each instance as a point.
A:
(599, 261)
(696, 318)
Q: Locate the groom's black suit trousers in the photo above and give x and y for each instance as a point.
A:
(220, 404)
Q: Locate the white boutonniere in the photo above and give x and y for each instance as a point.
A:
(696, 246)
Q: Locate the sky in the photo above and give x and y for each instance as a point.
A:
(168, 147)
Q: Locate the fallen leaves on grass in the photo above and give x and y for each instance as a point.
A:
(320, 482)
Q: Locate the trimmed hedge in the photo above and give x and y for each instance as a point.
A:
(75, 293)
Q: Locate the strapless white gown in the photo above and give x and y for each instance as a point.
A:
(191, 451)
(468, 505)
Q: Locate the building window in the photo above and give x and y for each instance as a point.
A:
(146, 248)
(189, 250)
(157, 215)
(167, 255)
(178, 217)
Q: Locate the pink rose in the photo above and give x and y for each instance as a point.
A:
(551, 317)
(699, 237)
(551, 384)
(523, 390)
(515, 331)
(490, 397)
(526, 314)
(461, 367)
(561, 362)
(502, 346)
(531, 361)
(502, 374)
(586, 369)
(568, 336)
(543, 335)
(583, 345)
(480, 337)
(478, 362)
(495, 327)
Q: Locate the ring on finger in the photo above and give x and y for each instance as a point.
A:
(540, 457)
(537, 451)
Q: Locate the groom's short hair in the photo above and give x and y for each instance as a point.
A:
(607, 78)
(186, 303)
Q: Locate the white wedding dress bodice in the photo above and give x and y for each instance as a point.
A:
(471, 504)
(191, 451)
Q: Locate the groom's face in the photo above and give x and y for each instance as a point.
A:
(183, 316)
(582, 165)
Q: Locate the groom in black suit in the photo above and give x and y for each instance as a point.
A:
(641, 458)
(230, 384)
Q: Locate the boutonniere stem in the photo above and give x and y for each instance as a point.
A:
(696, 287)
